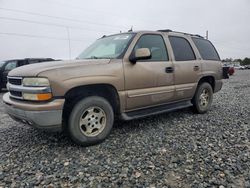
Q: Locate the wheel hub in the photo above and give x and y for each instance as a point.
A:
(204, 98)
(92, 121)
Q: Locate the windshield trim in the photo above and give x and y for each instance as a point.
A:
(121, 56)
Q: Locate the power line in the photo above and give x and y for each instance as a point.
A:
(63, 4)
(60, 18)
(47, 23)
(40, 36)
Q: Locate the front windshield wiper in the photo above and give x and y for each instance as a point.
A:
(95, 57)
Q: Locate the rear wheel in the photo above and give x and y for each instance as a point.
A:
(91, 121)
(203, 98)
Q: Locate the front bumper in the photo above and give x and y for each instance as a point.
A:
(46, 116)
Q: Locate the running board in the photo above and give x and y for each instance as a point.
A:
(155, 110)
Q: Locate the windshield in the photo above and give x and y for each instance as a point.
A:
(1, 63)
(107, 47)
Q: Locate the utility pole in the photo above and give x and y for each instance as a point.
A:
(207, 34)
(68, 33)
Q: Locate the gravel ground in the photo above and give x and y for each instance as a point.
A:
(178, 149)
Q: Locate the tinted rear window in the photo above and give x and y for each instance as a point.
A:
(182, 49)
(206, 49)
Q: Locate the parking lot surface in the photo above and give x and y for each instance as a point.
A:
(177, 149)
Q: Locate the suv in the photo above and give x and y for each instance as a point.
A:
(7, 66)
(126, 76)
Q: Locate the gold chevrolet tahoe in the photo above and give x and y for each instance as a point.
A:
(126, 76)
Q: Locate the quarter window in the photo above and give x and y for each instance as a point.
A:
(182, 49)
(206, 49)
(155, 44)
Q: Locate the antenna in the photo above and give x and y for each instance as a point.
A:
(68, 33)
(131, 29)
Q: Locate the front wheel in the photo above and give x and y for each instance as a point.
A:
(91, 121)
(203, 98)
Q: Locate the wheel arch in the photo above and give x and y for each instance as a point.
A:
(208, 79)
(106, 91)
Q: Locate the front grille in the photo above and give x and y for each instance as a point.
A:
(16, 93)
(15, 81)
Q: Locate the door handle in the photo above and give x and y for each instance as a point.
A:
(169, 69)
(196, 68)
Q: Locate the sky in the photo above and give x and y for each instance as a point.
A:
(42, 28)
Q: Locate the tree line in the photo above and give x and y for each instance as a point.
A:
(245, 61)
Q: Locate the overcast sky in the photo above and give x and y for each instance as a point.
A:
(40, 28)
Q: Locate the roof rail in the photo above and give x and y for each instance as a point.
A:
(165, 30)
(169, 30)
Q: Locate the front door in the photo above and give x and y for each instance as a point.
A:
(149, 82)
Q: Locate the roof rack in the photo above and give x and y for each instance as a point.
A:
(165, 30)
(169, 30)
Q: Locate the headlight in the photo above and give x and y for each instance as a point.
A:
(36, 82)
(36, 89)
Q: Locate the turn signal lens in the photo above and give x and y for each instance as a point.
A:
(44, 96)
(37, 97)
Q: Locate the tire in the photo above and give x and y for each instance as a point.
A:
(90, 121)
(203, 98)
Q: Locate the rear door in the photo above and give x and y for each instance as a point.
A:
(186, 66)
(147, 83)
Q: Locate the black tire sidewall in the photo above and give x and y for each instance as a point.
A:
(197, 106)
(73, 123)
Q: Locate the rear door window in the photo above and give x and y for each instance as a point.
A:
(21, 63)
(206, 49)
(32, 61)
(182, 49)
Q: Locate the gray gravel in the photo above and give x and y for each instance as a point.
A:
(178, 149)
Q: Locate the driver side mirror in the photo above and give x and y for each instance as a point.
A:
(140, 54)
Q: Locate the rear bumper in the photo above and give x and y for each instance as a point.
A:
(225, 72)
(218, 85)
(36, 116)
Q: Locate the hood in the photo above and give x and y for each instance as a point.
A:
(35, 69)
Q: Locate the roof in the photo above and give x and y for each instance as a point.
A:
(161, 30)
(170, 31)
